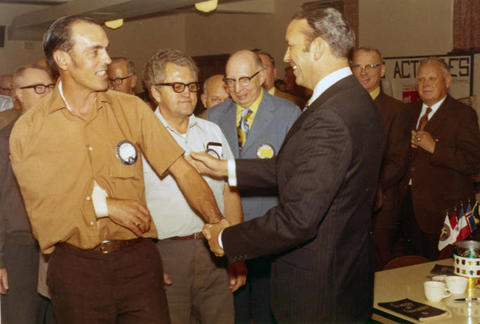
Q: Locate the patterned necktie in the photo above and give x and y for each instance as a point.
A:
(243, 127)
(424, 120)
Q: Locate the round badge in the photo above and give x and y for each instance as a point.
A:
(126, 152)
(265, 151)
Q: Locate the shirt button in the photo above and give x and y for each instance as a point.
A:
(92, 223)
(90, 148)
(88, 198)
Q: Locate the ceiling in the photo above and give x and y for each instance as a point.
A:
(31, 25)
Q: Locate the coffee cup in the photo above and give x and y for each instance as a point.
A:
(435, 291)
(456, 284)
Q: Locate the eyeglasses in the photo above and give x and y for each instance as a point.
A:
(119, 81)
(366, 67)
(40, 88)
(6, 89)
(179, 87)
(242, 81)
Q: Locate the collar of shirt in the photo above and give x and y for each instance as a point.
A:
(192, 121)
(271, 91)
(375, 93)
(59, 101)
(328, 81)
(434, 109)
(253, 107)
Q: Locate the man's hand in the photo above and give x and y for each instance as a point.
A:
(423, 140)
(237, 273)
(211, 231)
(3, 281)
(166, 281)
(130, 214)
(207, 164)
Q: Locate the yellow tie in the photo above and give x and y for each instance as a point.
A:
(243, 127)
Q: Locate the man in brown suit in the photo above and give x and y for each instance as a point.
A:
(369, 68)
(444, 154)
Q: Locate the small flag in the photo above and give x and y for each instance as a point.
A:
(449, 231)
(463, 225)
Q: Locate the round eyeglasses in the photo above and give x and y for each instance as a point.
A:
(40, 88)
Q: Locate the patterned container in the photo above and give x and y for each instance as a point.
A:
(467, 259)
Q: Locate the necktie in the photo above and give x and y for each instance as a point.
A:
(243, 127)
(424, 119)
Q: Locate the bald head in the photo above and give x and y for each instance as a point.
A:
(244, 77)
(214, 91)
(31, 83)
(6, 84)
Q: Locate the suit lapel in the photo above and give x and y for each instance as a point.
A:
(317, 104)
(262, 117)
(229, 118)
(439, 118)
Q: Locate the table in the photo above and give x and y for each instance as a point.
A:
(407, 282)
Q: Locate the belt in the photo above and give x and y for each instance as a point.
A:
(194, 236)
(105, 247)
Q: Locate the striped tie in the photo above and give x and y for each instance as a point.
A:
(243, 127)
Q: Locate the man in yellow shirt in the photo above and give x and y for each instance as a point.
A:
(81, 142)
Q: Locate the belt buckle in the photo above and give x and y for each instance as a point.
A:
(105, 246)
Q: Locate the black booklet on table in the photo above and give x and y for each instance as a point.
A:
(414, 310)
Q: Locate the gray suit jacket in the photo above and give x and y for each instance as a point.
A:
(272, 121)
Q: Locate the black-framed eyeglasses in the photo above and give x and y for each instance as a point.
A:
(40, 88)
(119, 81)
(6, 89)
(366, 67)
(179, 87)
(242, 81)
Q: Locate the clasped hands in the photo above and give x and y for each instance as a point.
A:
(211, 233)
(423, 140)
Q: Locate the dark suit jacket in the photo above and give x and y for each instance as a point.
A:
(442, 179)
(326, 173)
(397, 136)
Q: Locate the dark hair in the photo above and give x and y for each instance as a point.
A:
(58, 36)
(268, 55)
(331, 26)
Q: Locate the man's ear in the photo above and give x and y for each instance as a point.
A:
(318, 47)
(62, 58)
(134, 81)
(448, 80)
(155, 94)
(203, 98)
(382, 70)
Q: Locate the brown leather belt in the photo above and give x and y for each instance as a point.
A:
(106, 246)
(194, 236)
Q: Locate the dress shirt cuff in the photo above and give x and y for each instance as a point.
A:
(232, 173)
(99, 200)
(220, 239)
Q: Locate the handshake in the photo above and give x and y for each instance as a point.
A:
(211, 233)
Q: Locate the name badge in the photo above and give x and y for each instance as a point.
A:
(265, 151)
(215, 149)
(127, 152)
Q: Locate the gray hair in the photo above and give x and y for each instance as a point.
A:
(130, 65)
(22, 69)
(331, 26)
(368, 49)
(443, 65)
(154, 71)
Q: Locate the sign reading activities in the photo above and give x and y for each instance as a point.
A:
(401, 76)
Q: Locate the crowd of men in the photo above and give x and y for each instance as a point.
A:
(120, 209)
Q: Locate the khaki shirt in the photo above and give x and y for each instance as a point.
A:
(56, 157)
